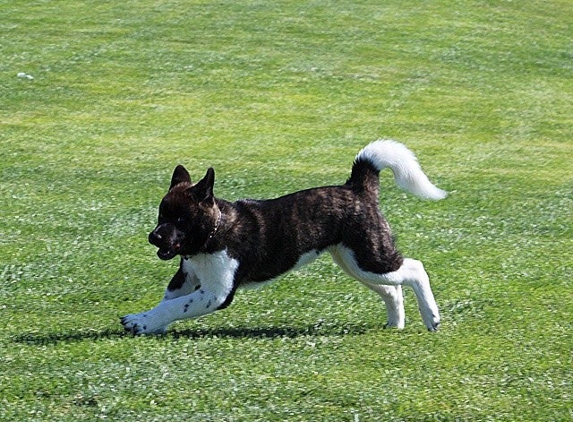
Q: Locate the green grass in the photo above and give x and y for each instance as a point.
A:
(279, 96)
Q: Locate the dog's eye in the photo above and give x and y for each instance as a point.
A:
(180, 220)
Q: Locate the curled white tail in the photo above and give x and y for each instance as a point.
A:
(407, 171)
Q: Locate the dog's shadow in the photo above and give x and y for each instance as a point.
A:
(270, 332)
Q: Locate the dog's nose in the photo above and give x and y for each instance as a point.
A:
(155, 238)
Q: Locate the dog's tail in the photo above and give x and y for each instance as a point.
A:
(407, 172)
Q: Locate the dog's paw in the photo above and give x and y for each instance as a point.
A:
(432, 322)
(430, 316)
(138, 324)
(394, 325)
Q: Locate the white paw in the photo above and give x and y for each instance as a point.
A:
(396, 317)
(431, 319)
(141, 324)
(395, 324)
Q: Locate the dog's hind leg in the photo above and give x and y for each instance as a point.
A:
(391, 295)
(394, 301)
(411, 273)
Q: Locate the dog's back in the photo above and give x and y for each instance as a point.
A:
(279, 231)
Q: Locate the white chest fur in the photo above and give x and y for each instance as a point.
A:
(215, 271)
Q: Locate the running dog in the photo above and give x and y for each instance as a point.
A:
(226, 245)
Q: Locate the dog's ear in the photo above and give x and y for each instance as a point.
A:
(180, 175)
(203, 190)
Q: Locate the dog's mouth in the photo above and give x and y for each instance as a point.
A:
(167, 253)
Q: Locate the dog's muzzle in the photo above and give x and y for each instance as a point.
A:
(166, 241)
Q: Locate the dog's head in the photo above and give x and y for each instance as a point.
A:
(188, 215)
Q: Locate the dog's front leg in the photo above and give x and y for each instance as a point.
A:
(156, 320)
(184, 282)
(215, 273)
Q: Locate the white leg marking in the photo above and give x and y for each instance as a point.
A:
(215, 273)
(394, 301)
(391, 295)
(189, 286)
(411, 274)
(306, 259)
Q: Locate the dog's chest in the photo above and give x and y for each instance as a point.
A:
(212, 269)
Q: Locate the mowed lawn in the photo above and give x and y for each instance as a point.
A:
(99, 100)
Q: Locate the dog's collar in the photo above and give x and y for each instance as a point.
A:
(217, 224)
(214, 231)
